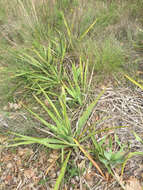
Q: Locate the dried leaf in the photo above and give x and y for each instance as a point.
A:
(52, 164)
(7, 158)
(8, 178)
(133, 184)
(29, 173)
(3, 138)
(46, 102)
(5, 108)
(9, 165)
(13, 106)
(25, 151)
(89, 175)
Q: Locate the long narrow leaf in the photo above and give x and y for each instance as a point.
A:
(100, 131)
(85, 77)
(83, 119)
(19, 143)
(50, 143)
(30, 59)
(50, 126)
(52, 146)
(51, 103)
(134, 82)
(138, 138)
(67, 28)
(81, 70)
(60, 128)
(62, 100)
(38, 54)
(46, 140)
(75, 78)
(88, 29)
(62, 172)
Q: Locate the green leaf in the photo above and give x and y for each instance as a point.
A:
(81, 71)
(62, 172)
(106, 163)
(101, 142)
(31, 60)
(20, 143)
(138, 138)
(50, 126)
(85, 116)
(96, 145)
(67, 28)
(117, 158)
(62, 100)
(44, 140)
(71, 92)
(107, 155)
(117, 140)
(49, 142)
(75, 78)
(38, 54)
(51, 103)
(60, 128)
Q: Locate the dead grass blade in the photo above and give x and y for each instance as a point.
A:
(52, 164)
(90, 158)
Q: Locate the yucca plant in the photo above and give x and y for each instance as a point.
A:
(77, 85)
(62, 131)
(62, 134)
(45, 64)
(41, 65)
